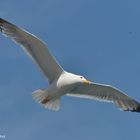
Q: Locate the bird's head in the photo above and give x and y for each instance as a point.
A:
(84, 81)
(73, 78)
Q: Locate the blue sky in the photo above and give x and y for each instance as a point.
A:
(95, 38)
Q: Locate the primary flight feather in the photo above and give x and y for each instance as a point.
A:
(62, 82)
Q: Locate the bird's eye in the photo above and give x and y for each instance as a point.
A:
(81, 77)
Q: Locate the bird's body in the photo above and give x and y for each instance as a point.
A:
(62, 85)
(60, 81)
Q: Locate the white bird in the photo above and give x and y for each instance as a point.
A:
(62, 82)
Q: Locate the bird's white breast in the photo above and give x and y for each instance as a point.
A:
(64, 84)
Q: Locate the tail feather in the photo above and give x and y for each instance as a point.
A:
(53, 105)
(42, 97)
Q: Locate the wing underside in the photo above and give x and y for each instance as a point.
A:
(106, 93)
(34, 47)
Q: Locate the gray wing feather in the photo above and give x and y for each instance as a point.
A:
(34, 47)
(106, 93)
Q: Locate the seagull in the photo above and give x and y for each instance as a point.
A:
(60, 81)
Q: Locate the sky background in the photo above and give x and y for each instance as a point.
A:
(99, 39)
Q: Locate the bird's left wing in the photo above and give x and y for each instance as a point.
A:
(106, 93)
(34, 47)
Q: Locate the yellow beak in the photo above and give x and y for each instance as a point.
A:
(87, 82)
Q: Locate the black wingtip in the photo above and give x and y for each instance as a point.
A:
(137, 109)
(2, 21)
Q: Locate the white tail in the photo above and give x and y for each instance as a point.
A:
(42, 97)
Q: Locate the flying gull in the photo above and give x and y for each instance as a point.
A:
(60, 81)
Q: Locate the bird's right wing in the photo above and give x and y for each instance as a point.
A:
(106, 93)
(34, 47)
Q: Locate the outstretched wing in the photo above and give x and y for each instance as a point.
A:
(106, 93)
(34, 47)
